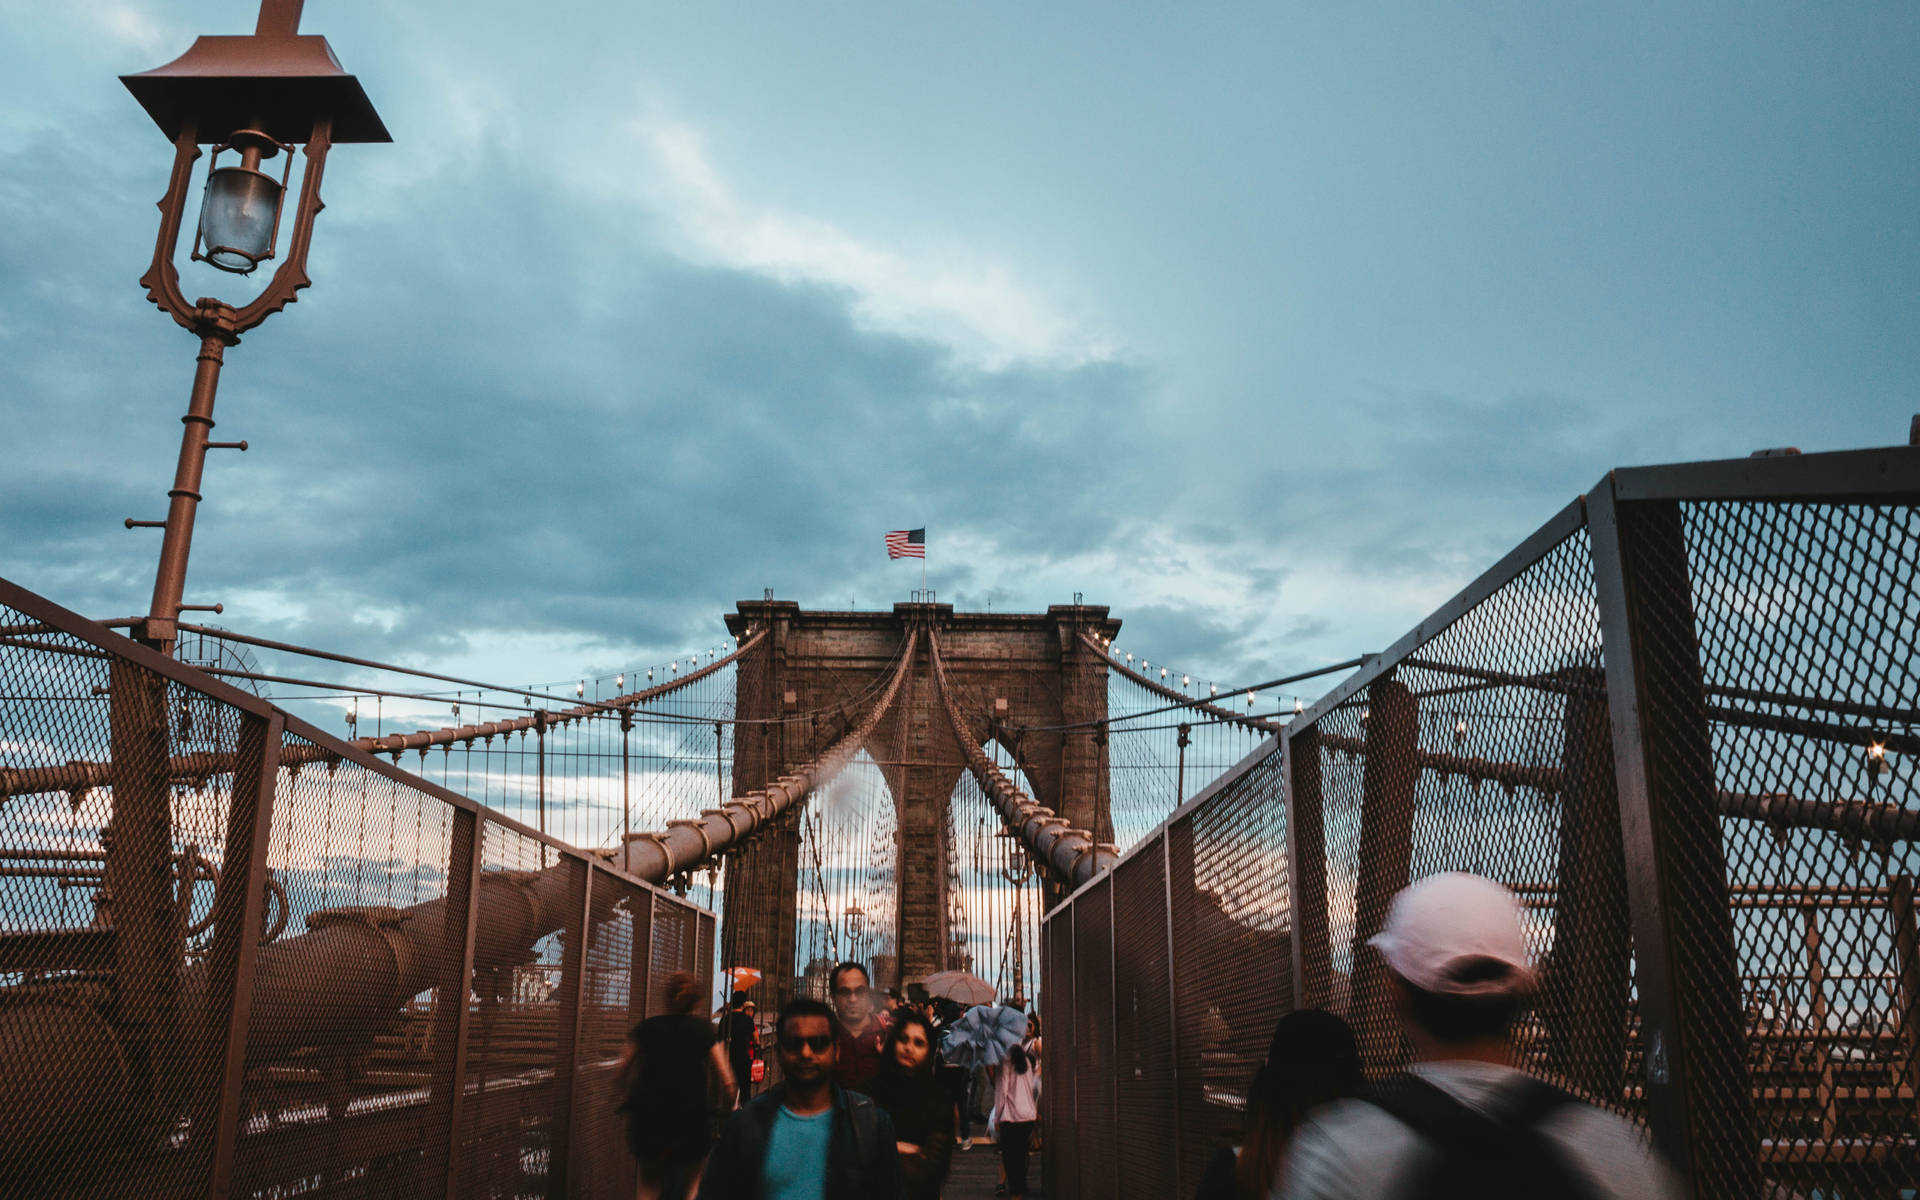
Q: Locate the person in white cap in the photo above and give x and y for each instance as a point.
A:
(1462, 1121)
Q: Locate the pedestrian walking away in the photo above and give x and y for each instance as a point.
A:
(673, 1077)
(1311, 1060)
(1016, 1106)
(1462, 1120)
(806, 1138)
(738, 1034)
(923, 1112)
(862, 1028)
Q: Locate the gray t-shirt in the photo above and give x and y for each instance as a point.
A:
(1352, 1150)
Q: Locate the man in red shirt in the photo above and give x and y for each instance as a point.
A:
(862, 1032)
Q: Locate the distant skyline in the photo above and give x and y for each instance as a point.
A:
(1270, 326)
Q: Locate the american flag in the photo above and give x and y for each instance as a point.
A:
(907, 543)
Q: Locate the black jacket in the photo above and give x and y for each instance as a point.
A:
(862, 1163)
(924, 1115)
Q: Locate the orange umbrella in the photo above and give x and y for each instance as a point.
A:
(744, 977)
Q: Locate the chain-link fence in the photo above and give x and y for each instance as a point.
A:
(1679, 722)
(240, 957)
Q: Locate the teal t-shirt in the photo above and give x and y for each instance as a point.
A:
(796, 1166)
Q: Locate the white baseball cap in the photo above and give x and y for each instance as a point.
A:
(1456, 934)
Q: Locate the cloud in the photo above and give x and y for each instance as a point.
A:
(979, 308)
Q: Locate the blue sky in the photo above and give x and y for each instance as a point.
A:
(1268, 325)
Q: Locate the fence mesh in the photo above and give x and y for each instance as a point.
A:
(1807, 616)
(1764, 838)
(1143, 1025)
(372, 1063)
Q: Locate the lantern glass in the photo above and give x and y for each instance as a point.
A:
(238, 217)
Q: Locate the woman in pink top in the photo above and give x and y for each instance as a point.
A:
(1016, 1105)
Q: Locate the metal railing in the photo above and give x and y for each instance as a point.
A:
(256, 960)
(1680, 721)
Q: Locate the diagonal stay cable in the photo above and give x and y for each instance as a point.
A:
(1071, 855)
(689, 843)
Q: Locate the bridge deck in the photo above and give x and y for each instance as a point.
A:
(974, 1174)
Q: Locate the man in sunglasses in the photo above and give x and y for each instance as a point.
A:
(806, 1138)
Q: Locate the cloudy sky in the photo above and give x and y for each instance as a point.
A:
(1269, 325)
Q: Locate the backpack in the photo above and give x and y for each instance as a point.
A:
(1501, 1155)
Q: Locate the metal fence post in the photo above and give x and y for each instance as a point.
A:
(1906, 944)
(239, 912)
(573, 965)
(641, 979)
(467, 853)
(143, 905)
(1173, 1010)
(1307, 867)
(1386, 855)
(1584, 997)
(1699, 1096)
(1112, 1050)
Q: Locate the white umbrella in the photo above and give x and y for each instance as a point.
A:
(961, 987)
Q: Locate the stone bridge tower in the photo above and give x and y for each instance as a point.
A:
(1006, 669)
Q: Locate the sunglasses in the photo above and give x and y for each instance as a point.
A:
(818, 1043)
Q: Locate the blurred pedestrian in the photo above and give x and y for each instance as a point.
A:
(923, 1112)
(738, 1034)
(1312, 1060)
(674, 1076)
(1463, 1120)
(1016, 1106)
(805, 1138)
(862, 1030)
(954, 1077)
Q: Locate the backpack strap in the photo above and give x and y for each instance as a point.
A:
(1498, 1154)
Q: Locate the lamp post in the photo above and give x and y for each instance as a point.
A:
(252, 99)
(1017, 871)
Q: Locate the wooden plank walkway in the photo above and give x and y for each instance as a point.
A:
(975, 1171)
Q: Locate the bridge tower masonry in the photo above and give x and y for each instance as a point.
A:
(821, 670)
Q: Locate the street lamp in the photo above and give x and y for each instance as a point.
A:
(252, 99)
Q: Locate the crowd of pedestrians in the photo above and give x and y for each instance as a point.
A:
(865, 1109)
(862, 1109)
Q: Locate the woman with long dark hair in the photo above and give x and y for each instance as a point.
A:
(1016, 1106)
(1312, 1059)
(923, 1111)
